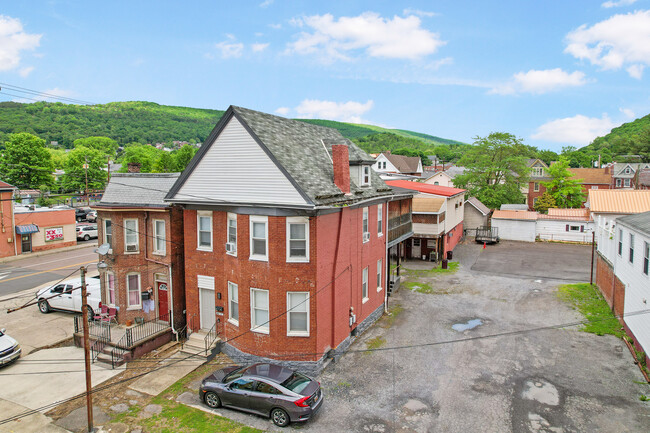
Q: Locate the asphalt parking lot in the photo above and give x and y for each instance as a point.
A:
(504, 375)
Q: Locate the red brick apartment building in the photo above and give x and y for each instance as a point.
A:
(145, 235)
(286, 239)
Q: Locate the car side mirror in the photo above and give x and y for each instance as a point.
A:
(2, 331)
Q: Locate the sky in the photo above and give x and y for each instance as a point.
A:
(553, 73)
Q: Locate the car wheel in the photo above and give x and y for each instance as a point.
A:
(43, 306)
(212, 399)
(280, 417)
(86, 238)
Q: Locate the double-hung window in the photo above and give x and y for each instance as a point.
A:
(364, 225)
(631, 248)
(110, 288)
(380, 219)
(365, 175)
(298, 314)
(646, 257)
(160, 239)
(620, 242)
(536, 187)
(133, 290)
(204, 232)
(364, 285)
(379, 275)
(233, 303)
(260, 310)
(259, 238)
(108, 232)
(231, 247)
(297, 239)
(131, 236)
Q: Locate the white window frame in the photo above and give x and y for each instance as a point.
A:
(297, 220)
(292, 310)
(262, 329)
(108, 288)
(199, 215)
(379, 274)
(365, 175)
(126, 236)
(364, 225)
(626, 183)
(108, 238)
(231, 217)
(646, 258)
(620, 242)
(631, 252)
(618, 182)
(137, 306)
(364, 285)
(380, 219)
(159, 237)
(536, 186)
(259, 219)
(233, 297)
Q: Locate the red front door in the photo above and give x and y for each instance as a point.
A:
(163, 300)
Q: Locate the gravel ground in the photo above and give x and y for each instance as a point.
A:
(525, 380)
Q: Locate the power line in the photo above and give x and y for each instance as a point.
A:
(45, 94)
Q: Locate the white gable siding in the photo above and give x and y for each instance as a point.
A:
(606, 235)
(555, 230)
(236, 169)
(442, 178)
(637, 286)
(390, 168)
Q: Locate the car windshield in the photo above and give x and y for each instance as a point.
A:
(296, 382)
(235, 374)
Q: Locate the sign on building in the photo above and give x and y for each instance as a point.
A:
(53, 234)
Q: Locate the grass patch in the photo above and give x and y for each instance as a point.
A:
(418, 287)
(389, 319)
(590, 303)
(375, 343)
(451, 268)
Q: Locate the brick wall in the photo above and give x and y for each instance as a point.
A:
(532, 194)
(610, 286)
(8, 236)
(453, 237)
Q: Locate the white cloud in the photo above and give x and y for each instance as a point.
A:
(230, 48)
(540, 81)
(396, 38)
(275, 26)
(13, 40)
(283, 111)
(259, 47)
(614, 4)
(628, 113)
(411, 11)
(614, 43)
(24, 72)
(350, 111)
(266, 3)
(578, 130)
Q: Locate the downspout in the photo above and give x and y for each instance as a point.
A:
(385, 265)
(169, 266)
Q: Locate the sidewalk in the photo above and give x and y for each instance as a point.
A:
(47, 252)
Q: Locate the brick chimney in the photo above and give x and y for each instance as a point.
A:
(607, 170)
(341, 161)
(134, 167)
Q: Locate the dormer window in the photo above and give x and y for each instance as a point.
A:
(365, 175)
(627, 170)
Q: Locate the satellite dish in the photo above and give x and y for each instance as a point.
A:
(103, 249)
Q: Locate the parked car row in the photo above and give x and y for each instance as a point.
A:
(86, 231)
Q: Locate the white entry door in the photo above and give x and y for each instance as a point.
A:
(207, 308)
(415, 249)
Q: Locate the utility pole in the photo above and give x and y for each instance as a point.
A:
(593, 244)
(86, 170)
(84, 310)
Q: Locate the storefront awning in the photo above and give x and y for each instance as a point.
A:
(26, 229)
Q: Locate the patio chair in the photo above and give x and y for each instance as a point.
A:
(110, 316)
(103, 313)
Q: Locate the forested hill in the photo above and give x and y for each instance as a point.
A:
(145, 122)
(631, 138)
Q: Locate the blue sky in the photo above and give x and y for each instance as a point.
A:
(554, 73)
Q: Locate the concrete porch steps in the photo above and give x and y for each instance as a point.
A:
(195, 345)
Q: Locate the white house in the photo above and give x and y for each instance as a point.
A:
(565, 225)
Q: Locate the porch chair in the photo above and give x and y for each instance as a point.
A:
(103, 313)
(111, 315)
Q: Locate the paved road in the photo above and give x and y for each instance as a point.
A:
(32, 271)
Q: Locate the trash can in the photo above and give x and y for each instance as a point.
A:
(449, 255)
(444, 263)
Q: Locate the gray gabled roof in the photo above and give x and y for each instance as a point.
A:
(478, 205)
(639, 222)
(511, 206)
(138, 190)
(301, 150)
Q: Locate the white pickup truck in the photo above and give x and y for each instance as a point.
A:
(67, 296)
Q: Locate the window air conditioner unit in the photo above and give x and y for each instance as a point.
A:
(131, 248)
(230, 247)
(366, 237)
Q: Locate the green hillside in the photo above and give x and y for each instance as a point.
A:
(631, 138)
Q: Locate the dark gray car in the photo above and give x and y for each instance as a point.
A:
(269, 390)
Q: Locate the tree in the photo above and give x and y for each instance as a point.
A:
(144, 155)
(183, 156)
(547, 156)
(104, 144)
(565, 190)
(58, 157)
(544, 203)
(495, 169)
(74, 178)
(25, 162)
(165, 164)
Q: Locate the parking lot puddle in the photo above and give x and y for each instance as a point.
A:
(460, 327)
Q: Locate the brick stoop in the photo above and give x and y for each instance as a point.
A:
(195, 345)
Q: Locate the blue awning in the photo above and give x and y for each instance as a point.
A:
(26, 229)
